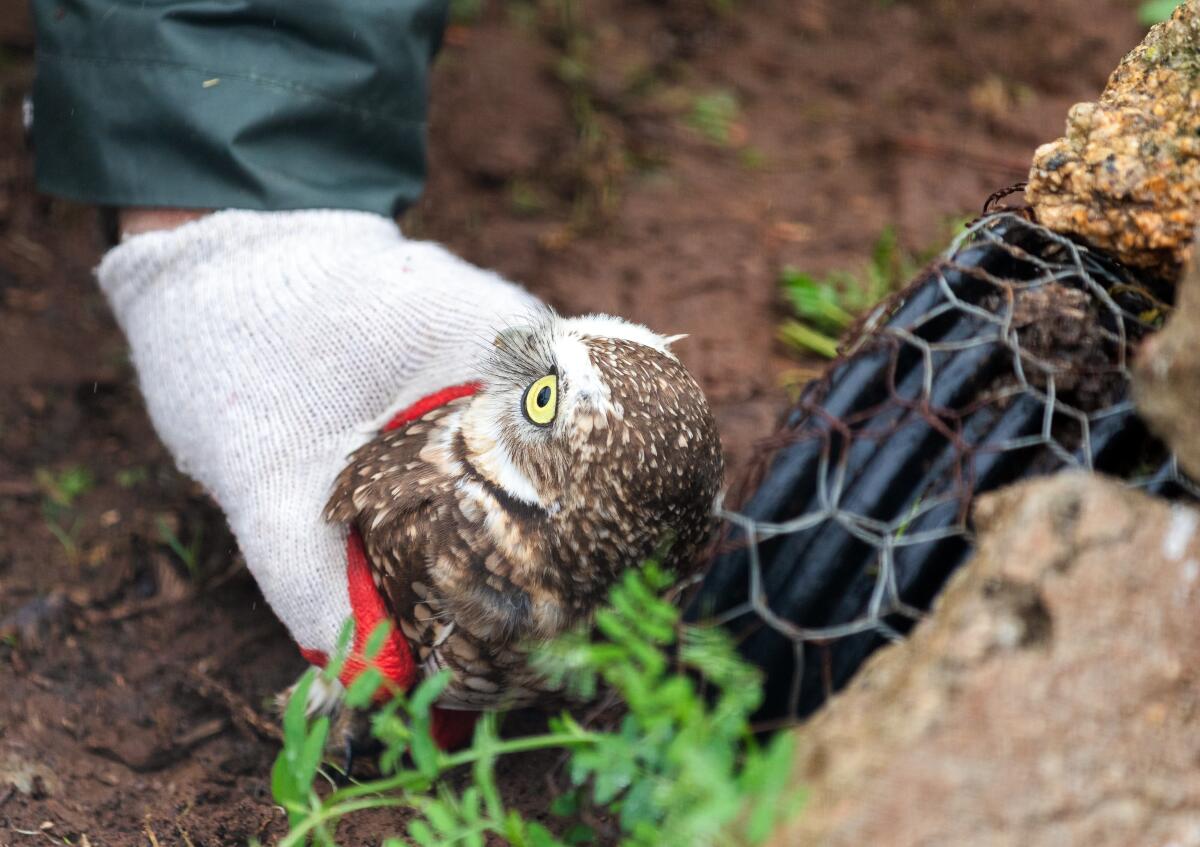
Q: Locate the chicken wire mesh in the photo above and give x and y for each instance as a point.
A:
(1007, 358)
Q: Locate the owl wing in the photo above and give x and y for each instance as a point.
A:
(388, 476)
(444, 586)
(395, 490)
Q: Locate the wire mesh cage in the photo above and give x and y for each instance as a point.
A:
(1007, 358)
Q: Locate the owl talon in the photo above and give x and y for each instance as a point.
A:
(358, 744)
(348, 755)
(354, 751)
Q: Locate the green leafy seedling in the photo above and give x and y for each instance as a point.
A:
(131, 477)
(681, 767)
(465, 12)
(66, 486)
(526, 198)
(825, 306)
(188, 554)
(714, 114)
(296, 766)
(67, 535)
(61, 490)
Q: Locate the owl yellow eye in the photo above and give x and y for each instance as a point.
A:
(541, 400)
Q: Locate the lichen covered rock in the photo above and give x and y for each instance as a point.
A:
(1126, 177)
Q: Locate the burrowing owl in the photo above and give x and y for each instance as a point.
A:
(500, 519)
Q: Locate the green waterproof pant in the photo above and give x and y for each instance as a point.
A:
(254, 104)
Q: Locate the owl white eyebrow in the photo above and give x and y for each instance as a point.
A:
(571, 352)
(608, 326)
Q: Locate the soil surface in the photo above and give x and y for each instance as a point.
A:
(604, 168)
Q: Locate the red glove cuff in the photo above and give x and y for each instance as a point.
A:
(451, 729)
(394, 660)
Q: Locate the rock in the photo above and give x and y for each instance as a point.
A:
(1166, 376)
(25, 774)
(1053, 696)
(1126, 177)
(36, 621)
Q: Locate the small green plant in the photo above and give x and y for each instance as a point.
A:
(465, 12)
(188, 554)
(826, 306)
(681, 767)
(66, 486)
(132, 477)
(522, 14)
(752, 159)
(714, 115)
(1156, 11)
(66, 532)
(526, 198)
(60, 492)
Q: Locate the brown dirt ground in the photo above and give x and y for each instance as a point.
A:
(853, 116)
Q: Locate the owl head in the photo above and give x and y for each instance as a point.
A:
(593, 423)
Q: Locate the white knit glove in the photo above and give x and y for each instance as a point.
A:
(270, 345)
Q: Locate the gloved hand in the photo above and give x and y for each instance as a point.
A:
(269, 346)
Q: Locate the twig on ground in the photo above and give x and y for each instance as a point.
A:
(150, 833)
(129, 609)
(162, 600)
(236, 567)
(162, 757)
(239, 709)
(201, 732)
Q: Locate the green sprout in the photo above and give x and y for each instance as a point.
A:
(826, 306)
(60, 492)
(465, 12)
(66, 534)
(680, 767)
(752, 159)
(714, 114)
(131, 477)
(188, 554)
(66, 486)
(526, 198)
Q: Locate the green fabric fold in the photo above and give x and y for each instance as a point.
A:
(256, 104)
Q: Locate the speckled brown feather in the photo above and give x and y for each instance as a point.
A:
(474, 574)
(399, 492)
